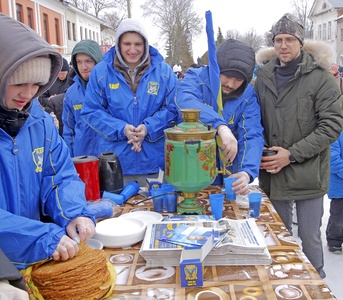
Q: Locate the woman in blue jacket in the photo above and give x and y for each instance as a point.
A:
(38, 178)
(129, 102)
(235, 110)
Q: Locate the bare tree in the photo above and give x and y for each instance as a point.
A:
(178, 24)
(301, 10)
(254, 40)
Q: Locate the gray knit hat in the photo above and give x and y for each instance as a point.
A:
(289, 24)
(35, 70)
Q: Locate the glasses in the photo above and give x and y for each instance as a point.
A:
(289, 41)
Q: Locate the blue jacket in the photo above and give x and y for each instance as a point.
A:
(41, 184)
(110, 105)
(241, 115)
(79, 137)
(336, 169)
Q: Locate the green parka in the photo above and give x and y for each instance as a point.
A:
(305, 118)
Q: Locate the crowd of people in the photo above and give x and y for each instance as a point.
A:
(124, 100)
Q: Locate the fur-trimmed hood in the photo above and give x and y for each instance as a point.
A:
(321, 52)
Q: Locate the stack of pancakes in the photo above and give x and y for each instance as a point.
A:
(86, 276)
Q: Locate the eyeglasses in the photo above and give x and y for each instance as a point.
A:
(289, 41)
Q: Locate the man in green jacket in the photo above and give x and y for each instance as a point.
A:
(302, 116)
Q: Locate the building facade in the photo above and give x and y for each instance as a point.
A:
(327, 18)
(61, 24)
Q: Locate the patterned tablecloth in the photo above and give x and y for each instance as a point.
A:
(290, 276)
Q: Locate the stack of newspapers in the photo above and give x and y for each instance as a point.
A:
(237, 242)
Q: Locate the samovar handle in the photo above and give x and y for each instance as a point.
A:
(192, 142)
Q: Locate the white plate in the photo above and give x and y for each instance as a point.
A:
(120, 232)
(286, 291)
(154, 273)
(147, 217)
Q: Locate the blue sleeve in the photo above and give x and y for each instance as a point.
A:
(68, 122)
(336, 161)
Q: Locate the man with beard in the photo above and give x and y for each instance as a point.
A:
(235, 113)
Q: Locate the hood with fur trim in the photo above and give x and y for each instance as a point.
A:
(131, 25)
(321, 52)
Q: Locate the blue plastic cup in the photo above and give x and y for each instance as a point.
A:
(230, 194)
(117, 199)
(157, 200)
(255, 199)
(217, 203)
(130, 190)
(170, 199)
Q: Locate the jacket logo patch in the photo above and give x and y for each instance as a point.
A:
(232, 120)
(37, 156)
(113, 86)
(153, 88)
(77, 106)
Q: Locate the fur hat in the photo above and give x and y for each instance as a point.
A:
(65, 66)
(35, 70)
(289, 24)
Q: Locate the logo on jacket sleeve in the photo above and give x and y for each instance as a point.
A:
(153, 88)
(37, 156)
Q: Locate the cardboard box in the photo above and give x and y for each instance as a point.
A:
(191, 264)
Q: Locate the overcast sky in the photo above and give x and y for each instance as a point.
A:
(241, 15)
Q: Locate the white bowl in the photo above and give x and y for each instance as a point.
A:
(95, 244)
(120, 232)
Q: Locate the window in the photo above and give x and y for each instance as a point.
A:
(93, 35)
(68, 30)
(30, 17)
(19, 12)
(81, 33)
(86, 33)
(57, 30)
(74, 32)
(329, 30)
(324, 31)
(97, 37)
(319, 32)
(46, 27)
(341, 34)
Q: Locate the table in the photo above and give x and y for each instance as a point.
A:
(290, 276)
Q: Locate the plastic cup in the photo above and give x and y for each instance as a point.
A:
(130, 190)
(217, 202)
(157, 200)
(170, 199)
(230, 194)
(255, 199)
(117, 199)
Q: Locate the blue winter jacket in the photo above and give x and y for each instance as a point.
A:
(43, 183)
(241, 115)
(79, 137)
(110, 105)
(336, 169)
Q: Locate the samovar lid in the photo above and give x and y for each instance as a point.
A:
(191, 128)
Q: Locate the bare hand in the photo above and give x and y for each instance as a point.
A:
(275, 162)
(135, 136)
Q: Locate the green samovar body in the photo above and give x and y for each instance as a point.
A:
(190, 160)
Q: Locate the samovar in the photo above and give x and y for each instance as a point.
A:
(190, 159)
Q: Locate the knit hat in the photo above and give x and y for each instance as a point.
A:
(65, 66)
(289, 24)
(35, 70)
(236, 59)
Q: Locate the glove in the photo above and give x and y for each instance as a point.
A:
(242, 183)
(229, 146)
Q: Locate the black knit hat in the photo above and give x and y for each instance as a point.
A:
(65, 66)
(236, 59)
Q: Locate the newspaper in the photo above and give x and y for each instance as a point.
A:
(244, 243)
